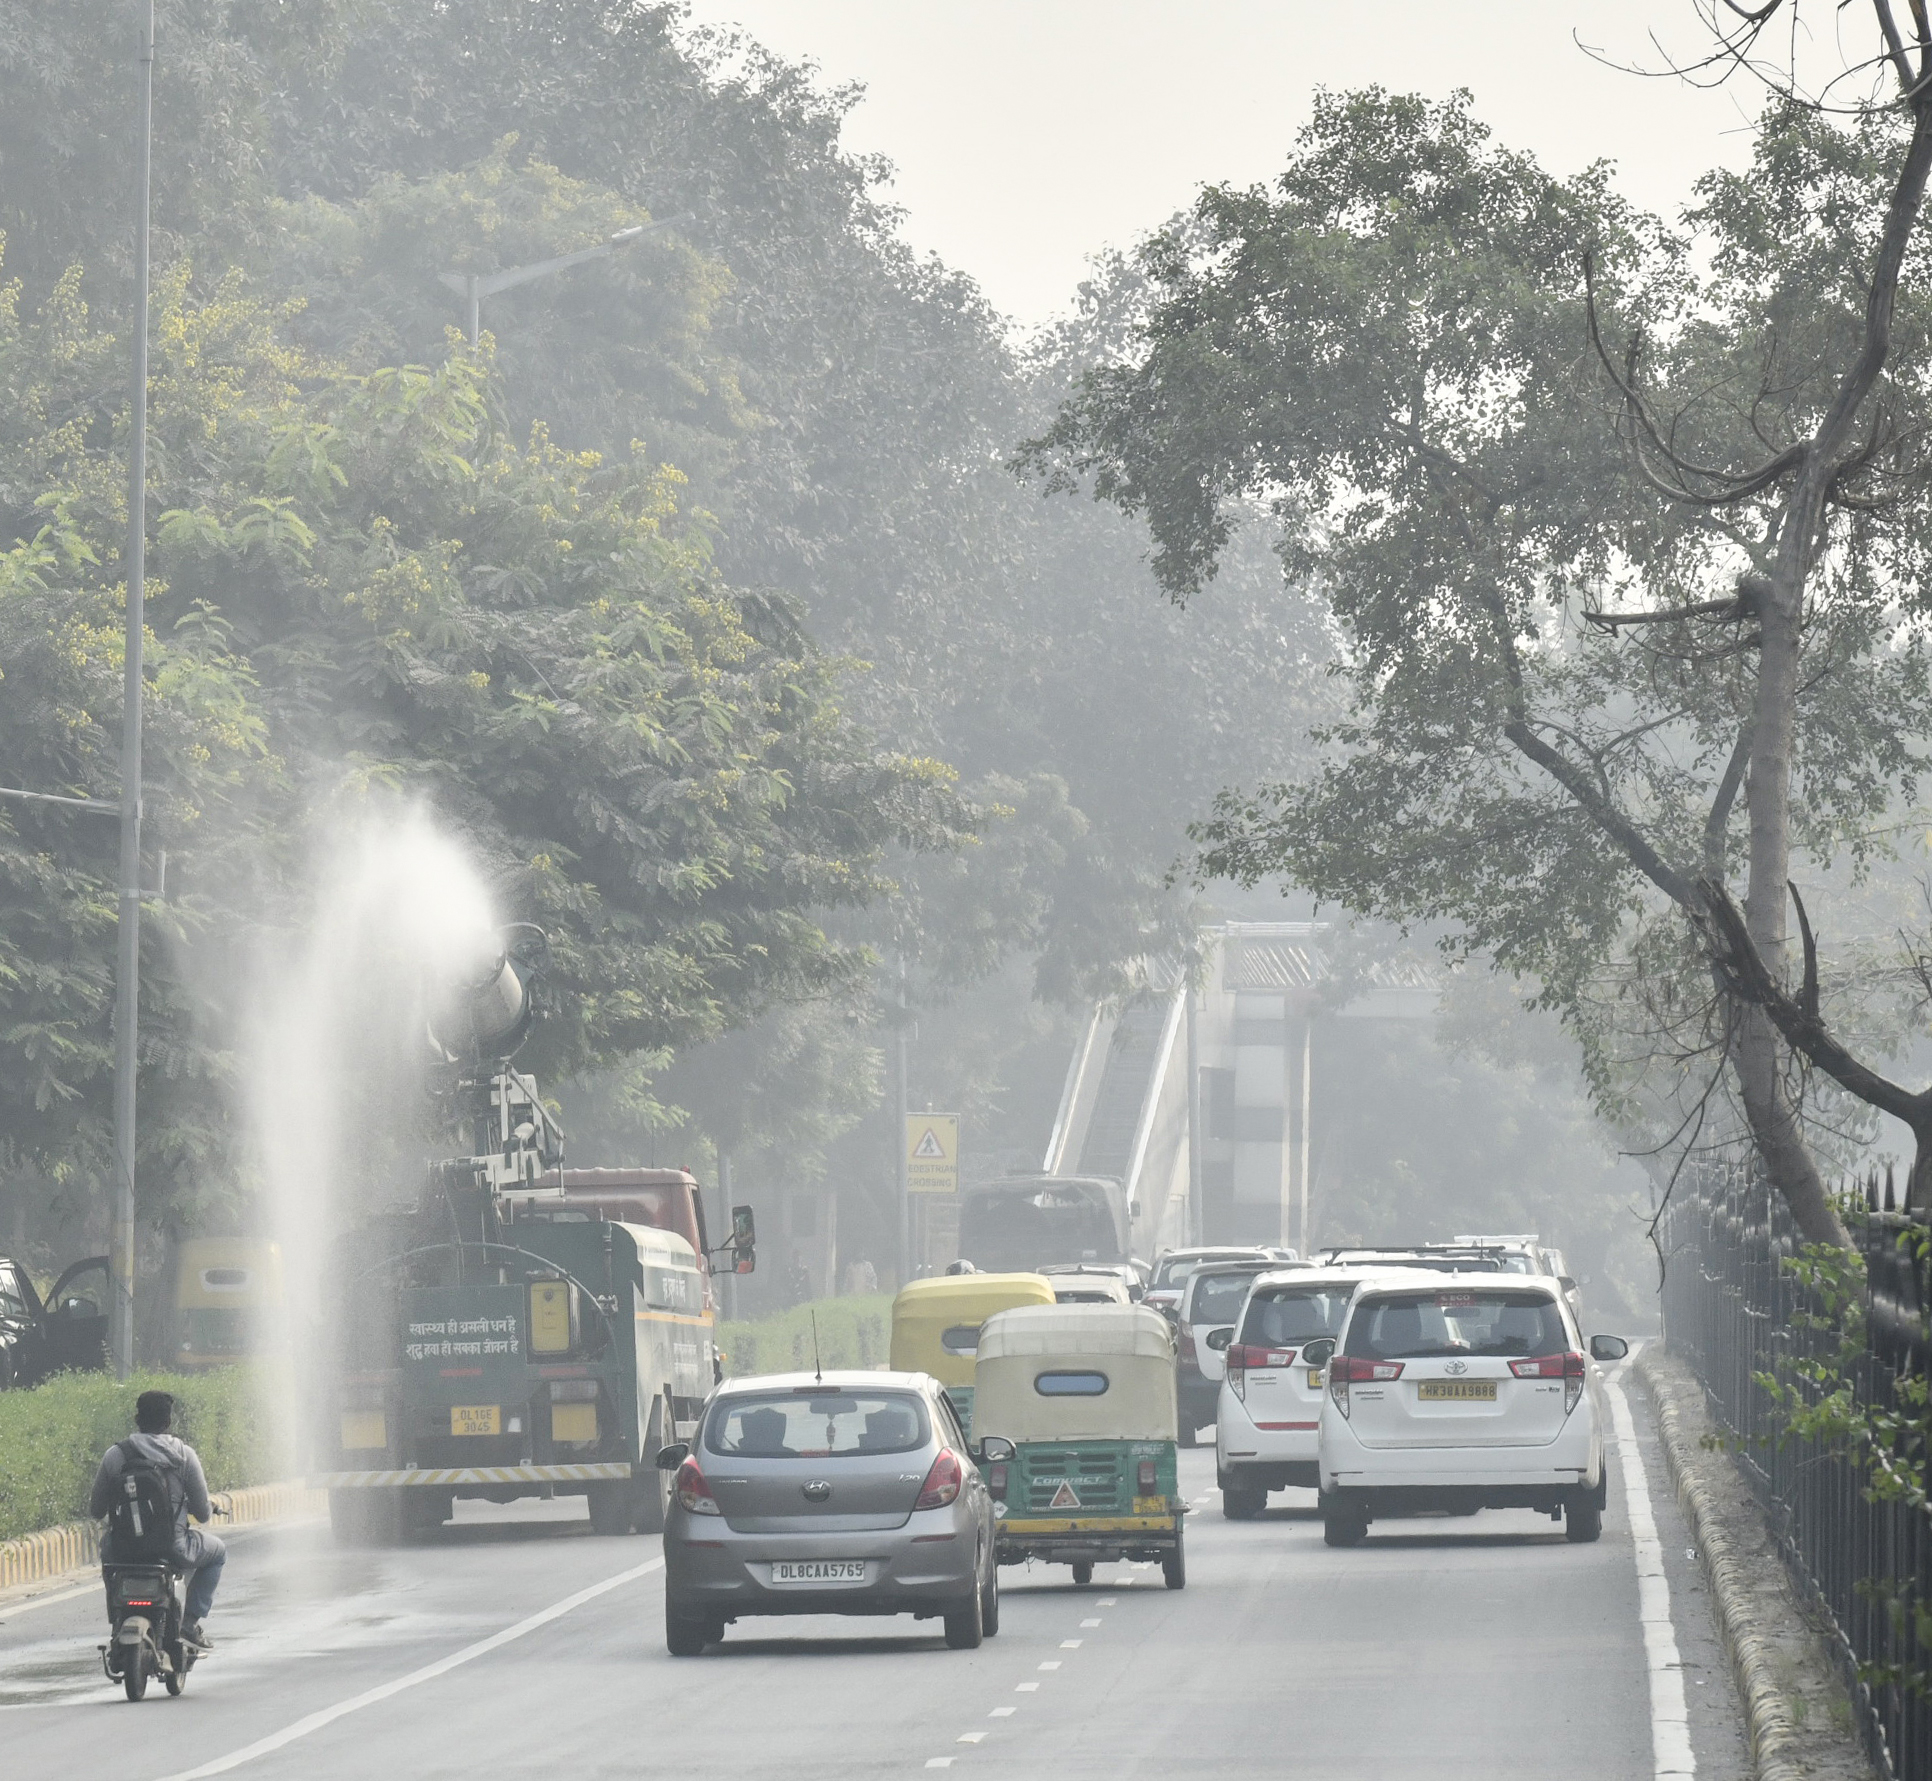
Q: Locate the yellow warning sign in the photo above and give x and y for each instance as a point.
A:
(1063, 1498)
(932, 1153)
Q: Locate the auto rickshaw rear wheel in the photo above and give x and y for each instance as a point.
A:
(1174, 1564)
(1082, 1572)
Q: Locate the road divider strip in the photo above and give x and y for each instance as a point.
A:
(314, 1722)
(1670, 1743)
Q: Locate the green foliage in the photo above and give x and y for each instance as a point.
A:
(54, 1436)
(855, 1332)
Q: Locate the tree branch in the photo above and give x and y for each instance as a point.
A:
(1717, 824)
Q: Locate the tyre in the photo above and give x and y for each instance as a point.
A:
(1174, 1564)
(966, 1624)
(1240, 1502)
(134, 1672)
(1189, 1437)
(1603, 1486)
(1583, 1518)
(365, 1517)
(424, 1511)
(989, 1602)
(1082, 1572)
(610, 1509)
(686, 1635)
(1343, 1526)
(176, 1679)
(650, 1488)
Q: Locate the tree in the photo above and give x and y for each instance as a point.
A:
(1393, 349)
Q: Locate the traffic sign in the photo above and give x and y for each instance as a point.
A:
(932, 1153)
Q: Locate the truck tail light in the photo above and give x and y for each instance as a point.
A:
(996, 1482)
(942, 1482)
(693, 1492)
(1145, 1478)
(1345, 1370)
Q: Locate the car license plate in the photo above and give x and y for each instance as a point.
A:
(1315, 1379)
(1480, 1391)
(475, 1419)
(818, 1570)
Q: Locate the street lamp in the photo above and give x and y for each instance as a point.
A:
(476, 286)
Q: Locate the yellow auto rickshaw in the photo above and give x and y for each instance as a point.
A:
(1086, 1396)
(228, 1302)
(935, 1326)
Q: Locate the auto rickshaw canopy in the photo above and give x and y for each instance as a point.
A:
(1077, 1373)
(936, 1322)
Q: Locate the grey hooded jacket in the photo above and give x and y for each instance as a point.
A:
(187, 1487)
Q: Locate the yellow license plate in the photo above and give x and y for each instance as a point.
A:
(1315, 1380)
(475, 1419)
(1478, 1391)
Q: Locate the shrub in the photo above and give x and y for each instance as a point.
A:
(855, 1332)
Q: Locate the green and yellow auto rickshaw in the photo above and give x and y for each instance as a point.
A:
(936, 1322)
(1086, 1396)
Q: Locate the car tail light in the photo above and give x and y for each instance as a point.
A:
(1242, 1356)
(1345, 1370)
(996, 1483)
(1147, 1478)
(1570, 1368)
(1190, 1356)
(942, 1482)
(693, 1492)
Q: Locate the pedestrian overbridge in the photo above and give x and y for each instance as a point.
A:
(1199, 1102)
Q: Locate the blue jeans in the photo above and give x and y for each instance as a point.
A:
(211, 1555)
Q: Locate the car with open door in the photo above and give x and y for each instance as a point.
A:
(64, 1333)
(1463, 1393)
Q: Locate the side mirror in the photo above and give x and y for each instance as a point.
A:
(670, 1458)
(1608, 1348)
(1319, 1352)
(744, 1241)
(996, 1448)
(1567, 1282)
(1218, 1340)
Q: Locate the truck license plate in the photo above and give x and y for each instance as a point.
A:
(818, 1570)
(475, 1419)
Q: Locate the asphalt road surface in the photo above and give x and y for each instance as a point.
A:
(518, 1644)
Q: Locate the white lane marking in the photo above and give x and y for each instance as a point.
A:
(1051, 1664)
(1027, 1687)
(1002, 1713)
(47, 1601)
(314, 1722)
(1069, 1644)
(970, 1737)
(1090, 1623)
(939, 1762)
(1106, 1601)
(1669, 1713)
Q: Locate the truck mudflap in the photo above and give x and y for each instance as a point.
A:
(445, 1475)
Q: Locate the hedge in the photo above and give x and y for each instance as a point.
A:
(52, 1438)
(854, 1332)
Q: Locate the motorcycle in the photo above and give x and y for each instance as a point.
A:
(144, 1605)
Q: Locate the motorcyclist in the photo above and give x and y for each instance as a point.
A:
(195, 1549)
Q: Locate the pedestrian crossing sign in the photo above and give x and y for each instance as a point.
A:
(932, 1153)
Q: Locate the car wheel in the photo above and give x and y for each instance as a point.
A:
(1343, 1526)
(686, 1635)
(966, 1624)
(1603, 1486)
(1582, 1518)
(1174, 1564)
(1241, 1503)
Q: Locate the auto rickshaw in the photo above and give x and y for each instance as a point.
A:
(935, 1326)
(228, 1302)
(1086, 1396)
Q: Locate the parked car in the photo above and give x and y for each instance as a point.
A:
(841, 1493)
(65, 1333)
(1461, 1394)
(1211, 1300)
(1172, 1268)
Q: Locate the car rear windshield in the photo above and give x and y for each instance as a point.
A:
(1286, 1315)
(1217, 1297)
(1455, 1321)
(813, 1425)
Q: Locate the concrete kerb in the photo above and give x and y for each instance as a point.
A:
(53, 1551)
(1795, 1705)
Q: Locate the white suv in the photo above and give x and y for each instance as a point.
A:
(1268, 1419)
(1463, 1393)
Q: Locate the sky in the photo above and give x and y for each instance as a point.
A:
(1031, 134)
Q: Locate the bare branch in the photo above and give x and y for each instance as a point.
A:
(1731, 609)
(1808, 996)
(1717, 824)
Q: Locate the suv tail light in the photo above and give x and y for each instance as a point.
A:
(1571, 1368)
(1189, 1356)
(1345, 1370)
(1242, 1356)
(693, 1492)
(942, 1482)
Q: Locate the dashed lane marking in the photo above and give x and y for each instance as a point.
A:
(939, 1762)
(1070, 1644)
(1027, 1687)
(1090, 1623)
(1106, 1601)
(314, 1722)
(971, 1737)
(1052, 1663)
(1002, 1713)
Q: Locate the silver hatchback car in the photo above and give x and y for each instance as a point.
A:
(841, 1493)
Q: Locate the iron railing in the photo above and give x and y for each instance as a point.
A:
(1736, 1313)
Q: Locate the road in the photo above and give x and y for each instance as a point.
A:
(1482, 1648)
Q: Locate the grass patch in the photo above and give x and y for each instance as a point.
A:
(854, 1332)
(52, 1438)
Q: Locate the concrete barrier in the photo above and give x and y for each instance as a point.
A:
(53, 1551)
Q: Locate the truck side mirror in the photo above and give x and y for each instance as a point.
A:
(744, 1241)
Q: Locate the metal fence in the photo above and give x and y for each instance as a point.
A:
(1734, 1312)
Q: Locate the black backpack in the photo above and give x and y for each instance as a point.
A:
(140, 1519)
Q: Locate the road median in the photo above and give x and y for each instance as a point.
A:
(1797, 1712)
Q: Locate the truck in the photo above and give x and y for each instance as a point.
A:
(525, 1329)
(1023, 1221)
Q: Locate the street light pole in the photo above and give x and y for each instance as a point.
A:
(127, 970)
(473, 287)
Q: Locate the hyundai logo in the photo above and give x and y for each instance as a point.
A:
(817, 1491)
(1458, 1367)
